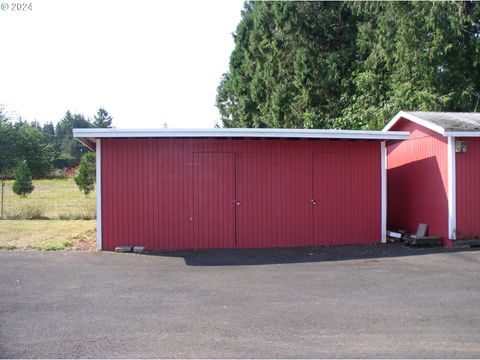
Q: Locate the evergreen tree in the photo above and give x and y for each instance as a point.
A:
(32, 145)
(69, 150)
(290, 65)
(23, 179)
(102, 119)
(350, 64)
(85, 178)
(49, 131)
(7, 145)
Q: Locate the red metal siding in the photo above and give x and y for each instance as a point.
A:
(417, 180)
(339, 180)
(213, 195)
(256, 216)
(181, 193)
(467, 168)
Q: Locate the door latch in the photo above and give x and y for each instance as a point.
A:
(313, 201)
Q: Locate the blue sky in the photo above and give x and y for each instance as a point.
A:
(147, 62)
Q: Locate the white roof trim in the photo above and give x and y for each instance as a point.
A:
(463, 133)
(88, 136)
(415, 119)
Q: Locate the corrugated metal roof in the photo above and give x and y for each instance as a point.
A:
(88, 136)
(445, 123)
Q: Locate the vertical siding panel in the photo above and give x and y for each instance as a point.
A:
(147, 167)
(111, 214)
(108, 169)
(170, 209)
(158, 201)
(165, 230)
(105, 193)
(135, 188)
(117, 206)
(213, 184)
(468, 190)
(141, 178)
(344, 214)
(130, 208)
(150, 181)
(127, 226)
(123, 194)
(106, 226)
(151, 196)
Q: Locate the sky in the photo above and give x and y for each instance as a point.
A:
(146, 62)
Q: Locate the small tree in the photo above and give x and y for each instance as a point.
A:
(23, 179)
(85, 178)
(102, 119)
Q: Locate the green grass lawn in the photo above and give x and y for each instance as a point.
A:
(65, 212)
(47, 234)
(52, 199)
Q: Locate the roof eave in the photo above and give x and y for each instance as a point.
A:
(463, 133)
(89, 135)
(415, 119)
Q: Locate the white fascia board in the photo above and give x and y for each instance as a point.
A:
(392, 122)
(452, 191)
(85, 135)
(415, 119)
(462, 133)
(98, 188)
(383, 176)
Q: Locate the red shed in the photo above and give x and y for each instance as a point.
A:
(434, 176)
(238, 188)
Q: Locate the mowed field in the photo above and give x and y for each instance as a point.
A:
(52, 199)
(55, 216)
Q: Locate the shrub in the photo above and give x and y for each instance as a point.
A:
(29, 212)
(23, 179)
(58, 174)
(77, 216)
(88, 213)
(85, 178)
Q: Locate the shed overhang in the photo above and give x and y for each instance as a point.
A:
(88, 136)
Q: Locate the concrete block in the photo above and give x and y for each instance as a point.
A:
(123, 249)
(139, 249)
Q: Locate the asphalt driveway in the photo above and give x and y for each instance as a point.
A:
(367, 301)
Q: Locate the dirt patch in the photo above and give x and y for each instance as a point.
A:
(84, 242)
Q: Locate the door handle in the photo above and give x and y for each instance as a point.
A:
(236, 202)
(313, 201)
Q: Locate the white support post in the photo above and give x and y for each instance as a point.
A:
(452, 191)
(383, 166)
(98, 188)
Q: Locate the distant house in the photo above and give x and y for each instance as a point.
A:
(72, 170)
(434, 176)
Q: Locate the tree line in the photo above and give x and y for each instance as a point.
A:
(350, 65)
(44, 148)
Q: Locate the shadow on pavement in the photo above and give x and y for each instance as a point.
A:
(235, 257)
